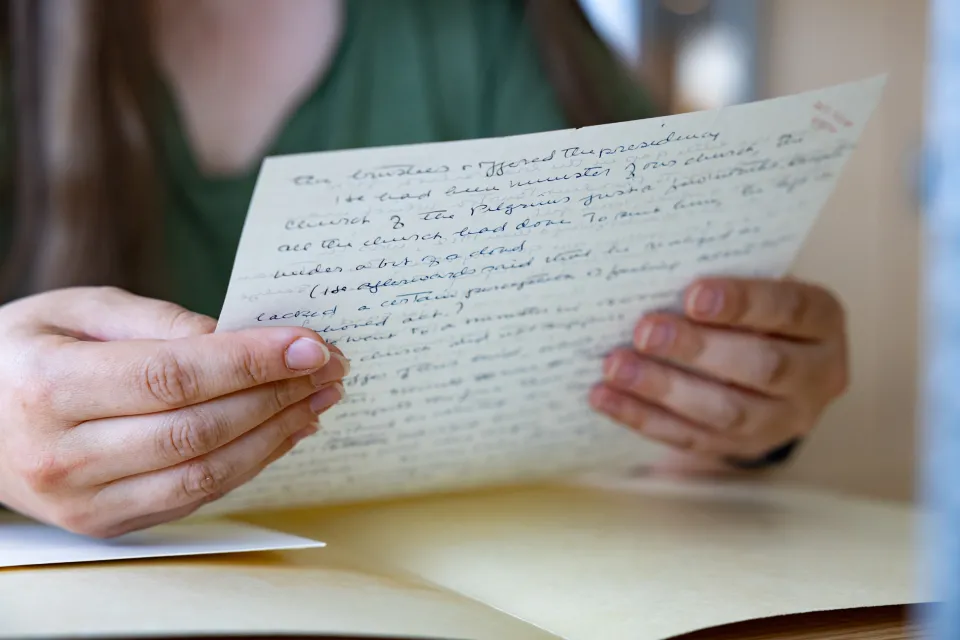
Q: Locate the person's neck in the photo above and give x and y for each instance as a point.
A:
(218, 20)
(239, 67)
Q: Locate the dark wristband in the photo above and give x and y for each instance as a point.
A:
(772, 459)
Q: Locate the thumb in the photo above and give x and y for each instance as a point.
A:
(107, 313)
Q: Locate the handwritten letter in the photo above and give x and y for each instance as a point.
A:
(476, 286)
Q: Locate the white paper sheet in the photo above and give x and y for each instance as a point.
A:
(476, 286)
(24, 542)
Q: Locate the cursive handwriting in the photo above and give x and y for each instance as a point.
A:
(476, 286)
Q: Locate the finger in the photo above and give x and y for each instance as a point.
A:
(138, 444)
(779, 307)
(104, 379)
(206, 478)
(661, 425)
(154, 519)
(145, 522)
(337, 354)
(681, 464)
(707, 403)
(337, 369)
(107, 313)
(751, 423)
(762, 363)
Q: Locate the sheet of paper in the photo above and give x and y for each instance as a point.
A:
(25, 542)
(328, 593)
(476, 286)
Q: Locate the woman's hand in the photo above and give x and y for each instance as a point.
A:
(747, 368)
(121, 412)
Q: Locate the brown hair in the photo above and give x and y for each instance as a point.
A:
(82, 88)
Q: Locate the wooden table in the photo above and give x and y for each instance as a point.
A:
(881, 623)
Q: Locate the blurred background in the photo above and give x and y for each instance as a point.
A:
(703, 54)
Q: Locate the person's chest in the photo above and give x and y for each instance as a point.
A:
(404, 71)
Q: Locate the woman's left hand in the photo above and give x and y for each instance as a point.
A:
(748, 367)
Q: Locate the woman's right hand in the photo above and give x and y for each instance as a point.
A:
(121, 412)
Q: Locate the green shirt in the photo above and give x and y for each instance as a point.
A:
(407, 71)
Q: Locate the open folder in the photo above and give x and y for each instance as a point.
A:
(475, 286)
(602, 559)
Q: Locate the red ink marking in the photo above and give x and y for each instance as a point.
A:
(833, 114)
(822, 125)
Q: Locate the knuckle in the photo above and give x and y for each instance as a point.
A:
(737, 298)
(44, 472)
(687, 342)
(193, 432)
(106, 293)
(283, 394)
(686, 440)
(170, 381)
(792, 307)
(181, 322)
(731, 414)
(202, 480)
(185, 323)
(772, 367)
(35, 386)
(36, 393)
(287, 423)
(252, 365)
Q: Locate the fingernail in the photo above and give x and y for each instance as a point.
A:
(303, 433)
(306, 354)
(326, 398)
(624, 371)
(707, 301)
(597, 398)
(325, 375)
(344, 364)
(656, 335)
(603, 400)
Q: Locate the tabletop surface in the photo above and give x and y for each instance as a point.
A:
(881, 623)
